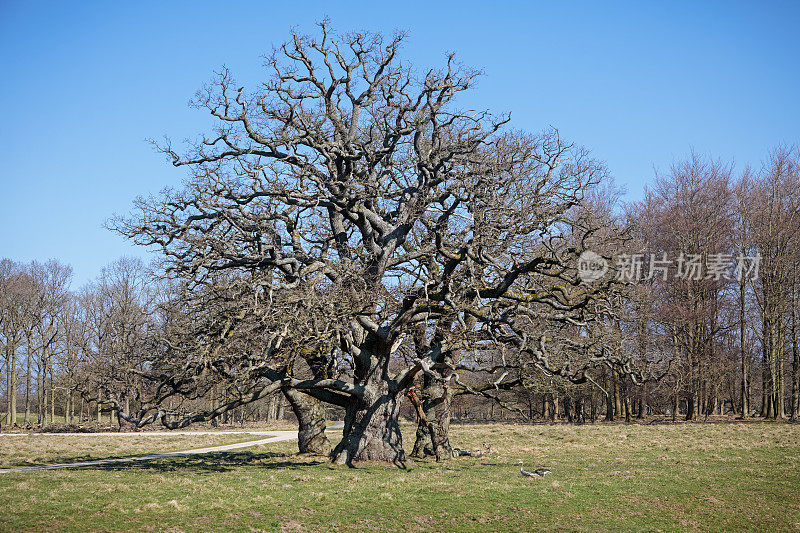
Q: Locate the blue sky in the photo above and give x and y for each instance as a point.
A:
(640, 84)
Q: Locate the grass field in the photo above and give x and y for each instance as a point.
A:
(35, 449)
(604, 477)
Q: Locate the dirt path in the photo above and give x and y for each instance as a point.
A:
(149, 433)
(277, 436)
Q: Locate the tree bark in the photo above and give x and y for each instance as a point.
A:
(372, 422)
(12, 385)
(568, 409)
(745, 382)
(28, 384)
(52, 399)
(310, 414)
(795, 400)
(124, 425)
(554, 415)
(436, 400)
(580, 417)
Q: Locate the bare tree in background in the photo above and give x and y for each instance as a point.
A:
(13, 284)
(773, 217)
(688, 217)
(117, 321)
(52, 280)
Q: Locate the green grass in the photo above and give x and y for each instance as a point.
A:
(615, 477)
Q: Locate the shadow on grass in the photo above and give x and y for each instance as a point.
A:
(212, 462)
(208, 462)
(227, 461)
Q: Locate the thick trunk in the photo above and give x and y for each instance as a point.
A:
(436, 400)
(426, 430)
(372, 434)
(372, 424)
(310, 414)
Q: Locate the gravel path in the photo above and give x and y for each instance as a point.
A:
(276, 436)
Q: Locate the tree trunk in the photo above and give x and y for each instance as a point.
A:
(52, 400)
(545, 407)
(766, 386)
(39, 399)
(745, 382)
(28, 385)
(568, 409)
(12, 386)
(627, 406)
(9, 385)
(279, 406)
(372, 424)
(310, 414)
(795, 401)
(436, 400)
(554, 416)
(640, 413)
(676, 404)
(580, 417)
(124, 425)
(99, 409)
(70, 407)
(780, 400)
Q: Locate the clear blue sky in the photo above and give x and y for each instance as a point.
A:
(83, 84)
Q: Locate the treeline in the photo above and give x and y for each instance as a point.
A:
(710, 263)
(59, 344)
(725, 311)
